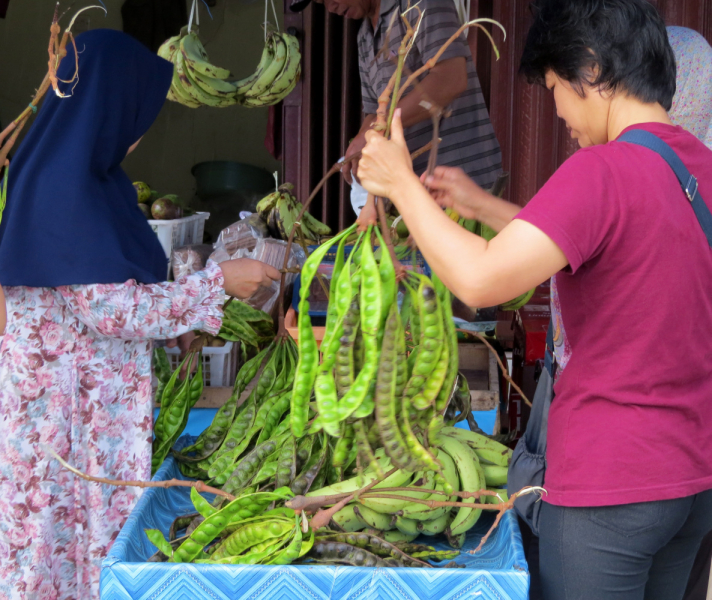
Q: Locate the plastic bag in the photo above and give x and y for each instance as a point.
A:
(268, 251)
(187, 260)
(272, 252)
(241, 235)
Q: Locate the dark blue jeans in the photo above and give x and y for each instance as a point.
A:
(629, 552)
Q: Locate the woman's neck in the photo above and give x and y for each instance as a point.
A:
(626, 111)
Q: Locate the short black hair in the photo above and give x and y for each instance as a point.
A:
(623, 41)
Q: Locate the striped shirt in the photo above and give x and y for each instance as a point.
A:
(468, 139)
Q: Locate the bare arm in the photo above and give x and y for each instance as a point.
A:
(443, 84)
(452, 188)
(478, 272)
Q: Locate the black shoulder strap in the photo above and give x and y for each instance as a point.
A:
(686, 179)
(549, 351)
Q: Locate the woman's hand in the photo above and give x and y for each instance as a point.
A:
(244, 276)
(385, 164)
(452, 188)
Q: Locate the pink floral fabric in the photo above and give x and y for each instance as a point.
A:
(75, 375)
(692, 104)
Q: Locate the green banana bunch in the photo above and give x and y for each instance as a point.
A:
(470, 462)
(202, 81)
(280, 211)
(197, 82)
(276, 75)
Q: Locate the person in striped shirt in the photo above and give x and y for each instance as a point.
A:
(468, 139)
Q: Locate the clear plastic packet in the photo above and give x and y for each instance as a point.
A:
(272, 252)
(243, 234)
(187, 260)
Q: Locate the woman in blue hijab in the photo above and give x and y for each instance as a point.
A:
(82, 272)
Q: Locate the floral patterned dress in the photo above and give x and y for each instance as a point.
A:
(75, 375)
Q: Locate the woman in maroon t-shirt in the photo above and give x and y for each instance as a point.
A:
(629, 454)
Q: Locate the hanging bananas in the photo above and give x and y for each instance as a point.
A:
(197, 82)
(280, 211)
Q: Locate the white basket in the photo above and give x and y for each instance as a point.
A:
(219, 364)
(179, 232)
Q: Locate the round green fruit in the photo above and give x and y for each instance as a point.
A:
(143, 190)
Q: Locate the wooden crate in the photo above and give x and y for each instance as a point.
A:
(479, 366)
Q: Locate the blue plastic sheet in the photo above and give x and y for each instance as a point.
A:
(497, 572)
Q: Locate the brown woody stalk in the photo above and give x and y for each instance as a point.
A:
(429, 64)
(334, 169)
(198, 485)
(505, 371)
(57, 50)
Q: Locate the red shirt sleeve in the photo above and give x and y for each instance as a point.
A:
(577, 208)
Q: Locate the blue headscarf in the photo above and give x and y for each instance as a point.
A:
(72, 215)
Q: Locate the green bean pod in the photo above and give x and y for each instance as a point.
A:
(343, 446)
(304, 482)
(386, 416)
(414, 321)
(327, 401)
(304, 450)
(251, 368)
(252, 534)
(346, 554)
(365, 449)
(434, 383)
(344, 366)
(448, 385)
(368, 404)
(422, 456)
(401, 360)
(268, 471)
(377, 545)
(166, 399)
(223, 466)
(286, 464)
(359, 351)
(431, 339)
(244, 507)
(161, 365)
(241, 428)
(201, 504)
(269, 374)
(347, 283)
(279, 408)
(371, 305)
(388, 277)
(210, 440)
(169, 422)
(308, 352)
(297, 548)
(333, 321)
(248, 467)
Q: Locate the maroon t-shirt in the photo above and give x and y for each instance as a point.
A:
(632, 416)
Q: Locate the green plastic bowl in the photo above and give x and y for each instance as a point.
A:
(220, 178)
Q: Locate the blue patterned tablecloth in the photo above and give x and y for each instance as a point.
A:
(498, 572)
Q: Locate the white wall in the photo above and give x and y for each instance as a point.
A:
(181, 137)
